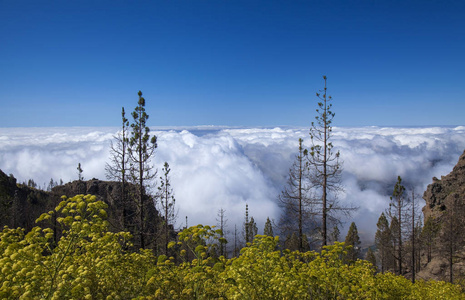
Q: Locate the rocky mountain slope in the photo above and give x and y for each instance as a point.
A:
(21, 205)
(444, 193)
(445, 205)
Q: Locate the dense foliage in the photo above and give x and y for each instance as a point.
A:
(89, 262)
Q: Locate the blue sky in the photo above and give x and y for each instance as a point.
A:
(234, 63)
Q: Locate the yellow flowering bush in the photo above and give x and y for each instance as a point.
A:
(89, 262)
(198, 278)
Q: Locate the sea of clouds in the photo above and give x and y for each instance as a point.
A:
(217, 168)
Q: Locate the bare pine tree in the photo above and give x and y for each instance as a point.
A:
(295, 200)
(325, 164)
(167, 203)
(222, 221)
(118, 167)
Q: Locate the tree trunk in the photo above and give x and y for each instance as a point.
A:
(325, 171)
(301, 245)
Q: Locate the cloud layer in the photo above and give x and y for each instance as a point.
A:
(215, 167)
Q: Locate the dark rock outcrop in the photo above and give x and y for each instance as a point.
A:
(122, 213)
(21, 205)
(445, 192)
(445, 203)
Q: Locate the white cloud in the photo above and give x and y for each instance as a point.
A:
(44, 153)
(226, 168)
(212, 172)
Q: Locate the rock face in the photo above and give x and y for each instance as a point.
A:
(438, 269)
(442, 197)
(108, 191)
(122, 214)
(21, 205)
(445, 192)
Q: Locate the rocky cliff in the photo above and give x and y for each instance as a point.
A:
(444, 193)
(21, 205)
(445, 205)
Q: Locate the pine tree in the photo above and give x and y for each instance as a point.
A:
(118, 167)
(414, 236)
(236, 242)
(295, 199)
(141, 150)
(419, 246)
(370, 256)
(250, 227)
(79, 169)
(222, 221)
(325, 164)
(82, 185)
(397, 212)
(31, 183)
(335, 234)
(383, 242)
(292, 242)
(51, 184)
(167, 203)
(452, 227)
(268, 230)
(396, 248)
(247, 234)
(353, 240)
(253, 229)
(429, 235)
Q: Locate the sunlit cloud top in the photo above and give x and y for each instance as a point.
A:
(226, 168)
